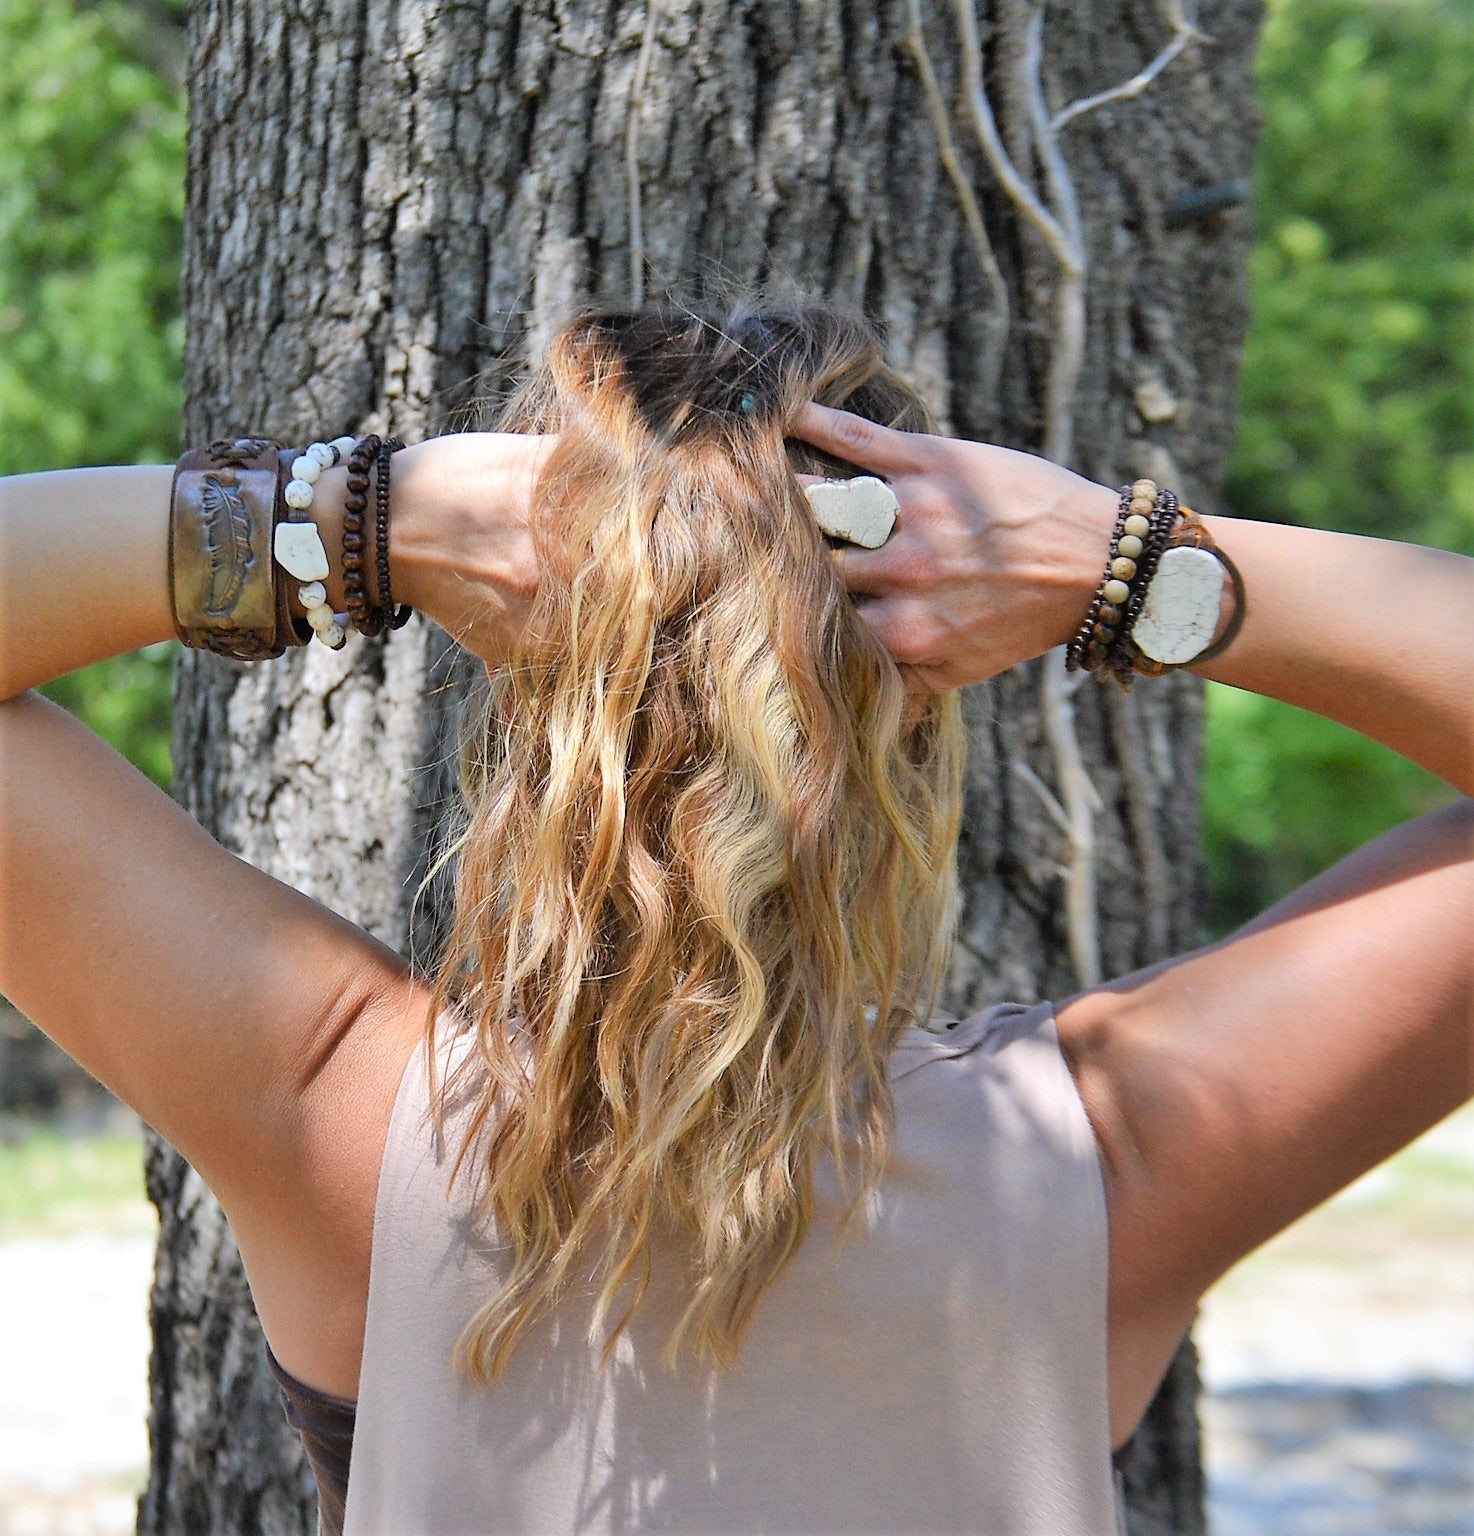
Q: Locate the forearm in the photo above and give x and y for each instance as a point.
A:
(84, 562)
(1374, 634)
(83, 569)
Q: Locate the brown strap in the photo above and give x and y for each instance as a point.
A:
(222, 516)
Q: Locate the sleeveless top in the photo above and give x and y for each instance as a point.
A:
(940, 1367)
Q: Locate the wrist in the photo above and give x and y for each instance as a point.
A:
(1081, 532)
(416, 497)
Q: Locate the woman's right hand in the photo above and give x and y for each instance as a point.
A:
(460, 549)
(995, 556)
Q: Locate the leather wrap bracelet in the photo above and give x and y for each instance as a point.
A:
(223, 510)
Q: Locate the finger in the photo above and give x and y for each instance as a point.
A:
(862, 442)
(861, 570)
(888, 626)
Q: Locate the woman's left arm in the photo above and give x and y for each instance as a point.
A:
(1234, 1088)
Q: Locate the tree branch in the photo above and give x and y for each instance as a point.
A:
(1184, 32)
(986, 128)
(632, 153)
(972, 217)
(1058, 221)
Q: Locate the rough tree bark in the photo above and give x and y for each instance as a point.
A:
(388, 203)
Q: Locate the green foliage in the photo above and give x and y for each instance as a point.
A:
(1358, 383)
(1287, 793)
(1357, 401)
(91, 209)
(54, 1185)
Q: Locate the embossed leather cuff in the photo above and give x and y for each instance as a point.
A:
(222, 514)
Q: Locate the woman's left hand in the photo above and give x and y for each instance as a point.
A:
(460, 548)
(995, 556)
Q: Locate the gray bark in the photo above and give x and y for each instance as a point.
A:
(389, 204)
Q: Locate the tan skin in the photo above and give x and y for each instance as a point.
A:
(1231, 1089)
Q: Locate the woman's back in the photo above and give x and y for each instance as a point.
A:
(940, 1368)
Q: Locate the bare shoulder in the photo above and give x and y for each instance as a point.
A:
(1235, 1088)
(260, 1032)
(305, 1226)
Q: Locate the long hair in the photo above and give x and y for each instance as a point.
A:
(705, 873)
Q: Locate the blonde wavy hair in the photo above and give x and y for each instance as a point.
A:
(705, 876)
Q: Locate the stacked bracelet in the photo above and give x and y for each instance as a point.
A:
(240, 513)
(298, 545)
(1106, 622)
(1136, 626)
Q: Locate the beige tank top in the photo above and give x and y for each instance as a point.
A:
(940, 1368)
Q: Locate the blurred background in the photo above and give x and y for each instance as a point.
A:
(1340, 1358)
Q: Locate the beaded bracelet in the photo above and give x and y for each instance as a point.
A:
(1117, 660)
(298, 545)
(392, 617)
(1101, 627)
(366, 619)
(1145, 525)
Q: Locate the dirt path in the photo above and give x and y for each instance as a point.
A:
(74, 1339)
(1340, 1361)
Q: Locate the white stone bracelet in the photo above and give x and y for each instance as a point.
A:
(298, 545)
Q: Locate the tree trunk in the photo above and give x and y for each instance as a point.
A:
(388, 205)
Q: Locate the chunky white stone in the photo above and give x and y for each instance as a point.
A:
(321, 617)
(1180, 613)
(305, 467)
(313, 594)
(333, 636)
(344, 445)
(322, 453)
(299, 552)
(298, 494)
(862, 511)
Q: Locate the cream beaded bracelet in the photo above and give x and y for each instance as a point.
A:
(298, 545)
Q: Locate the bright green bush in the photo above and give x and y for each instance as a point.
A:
(1357, 399)
(91, 341)
(91, 209)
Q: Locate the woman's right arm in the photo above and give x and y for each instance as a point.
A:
(1234, 1088)
(213, 999)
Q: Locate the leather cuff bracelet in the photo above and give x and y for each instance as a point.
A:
(222, 514)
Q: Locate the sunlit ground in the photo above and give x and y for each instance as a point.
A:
(76, 1259)
(1340, 1360)
(1340, 1357)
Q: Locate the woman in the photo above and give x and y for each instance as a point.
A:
(690, 1215)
